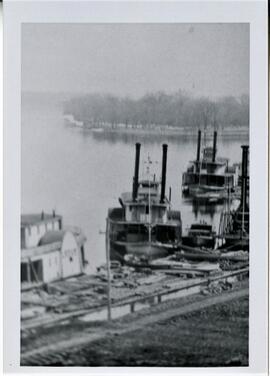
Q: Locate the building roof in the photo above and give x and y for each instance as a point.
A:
(52, 237)
(33, 219)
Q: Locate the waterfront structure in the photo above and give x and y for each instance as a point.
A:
(144, 226)
(49, 252)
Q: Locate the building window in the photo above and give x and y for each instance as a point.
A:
(71, 259)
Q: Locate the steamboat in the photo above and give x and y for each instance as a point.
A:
(234, 224)
(144, 226)
(209, 177)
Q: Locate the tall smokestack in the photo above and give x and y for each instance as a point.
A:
(136, 172)
(244, 191)
(199, 146)
(214, 147)
(164, 167)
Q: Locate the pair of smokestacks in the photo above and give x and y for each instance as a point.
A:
(214, 146)
(136, 172)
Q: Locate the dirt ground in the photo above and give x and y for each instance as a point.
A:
(214, 336)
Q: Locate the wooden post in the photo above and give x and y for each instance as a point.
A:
(108, 267)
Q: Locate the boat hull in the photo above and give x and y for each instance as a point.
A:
(199, 241)
(119, 251)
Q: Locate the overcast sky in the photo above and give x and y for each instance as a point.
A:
(133, 59)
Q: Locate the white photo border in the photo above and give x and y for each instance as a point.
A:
(252, 12)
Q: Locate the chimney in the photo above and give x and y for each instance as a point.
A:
(53, 213)
(214, 147)
(244, 191)
(136, 172)
(164, 167)
(199, 146)
(42, 215)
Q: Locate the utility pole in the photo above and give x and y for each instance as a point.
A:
(108, 267)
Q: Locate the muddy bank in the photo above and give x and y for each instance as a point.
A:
(214, 336)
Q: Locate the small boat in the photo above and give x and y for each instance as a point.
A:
(209, 177)
(71, 121)
(200, 235)
(144, 226)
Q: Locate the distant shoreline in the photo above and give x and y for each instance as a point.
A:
(153, 130)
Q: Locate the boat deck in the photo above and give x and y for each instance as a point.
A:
(129, 286)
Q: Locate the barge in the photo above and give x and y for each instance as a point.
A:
(144, 226)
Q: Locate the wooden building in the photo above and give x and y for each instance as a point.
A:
(49, 252)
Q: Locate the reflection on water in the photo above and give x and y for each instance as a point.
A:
(152, 137)
(145, 138)
(82, 173)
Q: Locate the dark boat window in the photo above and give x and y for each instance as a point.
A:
(201, 227)
(133, 229)
(166, 234)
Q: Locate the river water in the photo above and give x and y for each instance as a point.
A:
(81, 173)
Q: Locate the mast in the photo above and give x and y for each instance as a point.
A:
(243, 210)
(244, 205)
(108, 267)
(214, 147)
(198, 149)
(149, 205)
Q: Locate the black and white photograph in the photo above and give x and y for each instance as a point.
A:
(135, 199)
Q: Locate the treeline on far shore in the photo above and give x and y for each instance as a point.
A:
(175, 110)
